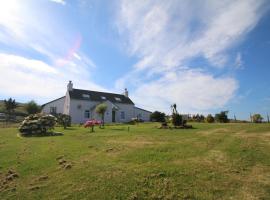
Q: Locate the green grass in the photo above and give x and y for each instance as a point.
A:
(211, 161)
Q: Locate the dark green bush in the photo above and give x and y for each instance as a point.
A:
(63, 119)
(177, 119)
(222, 117)
(157, 117)
(38, 124)
(210, 118)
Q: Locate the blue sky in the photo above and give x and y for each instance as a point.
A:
(206, 56)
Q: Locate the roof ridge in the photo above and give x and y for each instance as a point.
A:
(99, 92)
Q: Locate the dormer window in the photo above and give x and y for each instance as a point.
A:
(103, 98)
(117, 99)
(86, 96)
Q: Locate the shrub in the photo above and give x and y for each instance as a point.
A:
(177, 119)
(32, 107)
(37, 124)
(101, 109)
(210, 118)
(257, 118)
(222, 117)
(157, 116)
(64, 120)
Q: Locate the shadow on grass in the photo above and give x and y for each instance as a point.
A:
(70, 129)
(48, 134)
(118, 129)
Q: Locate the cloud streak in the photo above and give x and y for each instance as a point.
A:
(59, 1)
(168, 36)
(56, 48)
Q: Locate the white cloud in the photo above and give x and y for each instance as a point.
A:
(12, 61)
(166, 36)
(59, 1)
(238, 61)
(191, 90)
(47, 37)
(36, 79)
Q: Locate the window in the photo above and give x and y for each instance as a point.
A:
(139, 116)
(86, 96)
(122, 115)
(104, 98)
(53, 110)
(117, 99)
(87, 114)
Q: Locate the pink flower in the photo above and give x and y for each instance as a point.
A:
(91, 123)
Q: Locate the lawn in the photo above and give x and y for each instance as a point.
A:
(211, 161)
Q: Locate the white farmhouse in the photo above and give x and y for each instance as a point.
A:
(81, 104)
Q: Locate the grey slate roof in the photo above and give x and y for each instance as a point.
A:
(142, 109)
(52, 101)
(97, 96)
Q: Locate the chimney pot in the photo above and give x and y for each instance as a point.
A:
(126, 92)
(70, 86)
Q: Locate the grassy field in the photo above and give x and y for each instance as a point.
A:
(211, 161)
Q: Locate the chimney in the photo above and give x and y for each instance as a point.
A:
(126, 92)
(70, 86)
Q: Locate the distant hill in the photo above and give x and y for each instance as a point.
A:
(20, 110)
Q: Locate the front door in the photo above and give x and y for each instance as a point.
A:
(113, 116)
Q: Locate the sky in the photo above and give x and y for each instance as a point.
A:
(203, 55)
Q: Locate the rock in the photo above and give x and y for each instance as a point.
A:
(10, 171)
(61, 161)
(43, 178)
(34, 188)
(110, 149)
(67, 166)
(9, 177)
(60, 157)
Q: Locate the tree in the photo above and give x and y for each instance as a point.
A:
(174, 110)
(64, 120)
(157, 116)
(177, 119)
(10, 106)
(210, 118)
(198, 118)
(257, 118)
(101, 109)
(32, 107)
(222, 117)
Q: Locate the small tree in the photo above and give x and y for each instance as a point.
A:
(176, 118)
(32, 107)
(210, 118)
(198, 118)
(257, 118)
(157, 116)
(10, 106)
(101, 109)
(64, 120)
(222, 117)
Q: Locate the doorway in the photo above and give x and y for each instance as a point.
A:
(113, 116)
